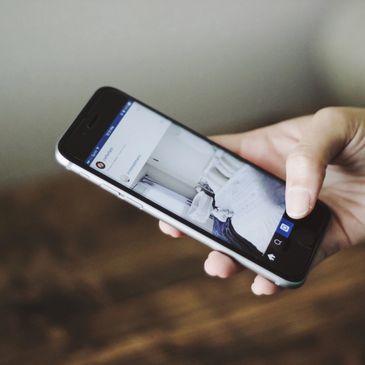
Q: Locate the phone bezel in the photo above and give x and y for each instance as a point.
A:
(107, 102)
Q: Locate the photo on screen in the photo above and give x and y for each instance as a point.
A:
(192, 178)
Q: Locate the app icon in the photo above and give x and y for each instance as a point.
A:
(278, 242)
(285, 227)
(100, 165)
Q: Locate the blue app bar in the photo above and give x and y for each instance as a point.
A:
(108, 133)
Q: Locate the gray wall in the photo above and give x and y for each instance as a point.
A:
(217, 65)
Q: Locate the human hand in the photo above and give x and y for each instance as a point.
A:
(320, 155)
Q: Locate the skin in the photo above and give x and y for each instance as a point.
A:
(320, 155)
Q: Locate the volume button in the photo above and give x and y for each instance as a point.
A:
(109, 189)
(85, 176)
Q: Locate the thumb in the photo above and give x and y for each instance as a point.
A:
(321, 139)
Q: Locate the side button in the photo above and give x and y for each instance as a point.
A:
(85, 176)
(134, 203)
(109, 189)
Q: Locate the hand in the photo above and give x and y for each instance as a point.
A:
(318, 155)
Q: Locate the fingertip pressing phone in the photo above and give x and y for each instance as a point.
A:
(171, 172)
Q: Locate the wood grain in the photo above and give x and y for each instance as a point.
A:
(86, 279)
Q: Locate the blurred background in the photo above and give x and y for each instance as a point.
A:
(79, 282)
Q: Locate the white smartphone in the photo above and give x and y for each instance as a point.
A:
(171, 172)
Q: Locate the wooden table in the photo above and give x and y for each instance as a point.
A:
(86, 279)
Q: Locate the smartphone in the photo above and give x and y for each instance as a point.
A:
(204, 190)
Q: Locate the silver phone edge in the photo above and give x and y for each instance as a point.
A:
(121, 194)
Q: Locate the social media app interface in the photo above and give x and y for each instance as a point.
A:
(201, 183)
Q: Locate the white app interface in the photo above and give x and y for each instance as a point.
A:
(199, 182)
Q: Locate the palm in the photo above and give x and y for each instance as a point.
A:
(342, 192)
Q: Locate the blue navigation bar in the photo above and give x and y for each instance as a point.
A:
(108, 133)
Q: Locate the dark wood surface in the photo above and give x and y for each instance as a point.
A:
(86, 279)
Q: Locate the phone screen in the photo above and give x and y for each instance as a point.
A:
(196, 180)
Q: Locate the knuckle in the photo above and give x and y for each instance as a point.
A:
(331, 114)
(304, 162)
(302, 156)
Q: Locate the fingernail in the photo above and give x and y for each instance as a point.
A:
(297, 202)
(208, 268)
(255, 289)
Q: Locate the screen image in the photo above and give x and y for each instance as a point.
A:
(194, 179)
